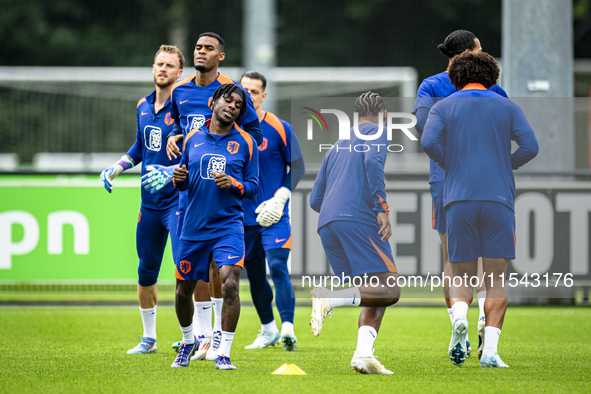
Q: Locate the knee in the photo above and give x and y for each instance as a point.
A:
(146, 276)
(182, 294)
(393, 295)
(230, 286)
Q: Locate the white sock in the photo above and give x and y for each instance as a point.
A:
(481, 298)
(270, 327)
(217, 304)
(345, 297)
(202, 318)
(188, 336)
(491, 339)
(149, 321)
(286, 327)
(226, 344)
(451, 315)
(459, 310)
(366, 336)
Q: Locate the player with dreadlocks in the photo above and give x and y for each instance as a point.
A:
(349, 193)
(218, 168)
(432, 90)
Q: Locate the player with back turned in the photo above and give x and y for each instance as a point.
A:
(469, 134)
(158, 211)
(432, 90)
(219, 168)
(349, 193)
(266, 220)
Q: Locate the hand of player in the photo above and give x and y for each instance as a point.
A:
(385, 229)
(222, 180)
(107, 177)
(172, 150)
(110, 173)
(270, 211)
(157, 177)
(180, 174)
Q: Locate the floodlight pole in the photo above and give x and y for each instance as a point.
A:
(259, 43)
(537, 59)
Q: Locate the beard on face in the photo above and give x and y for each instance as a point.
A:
(200, 67)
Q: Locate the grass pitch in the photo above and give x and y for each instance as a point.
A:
(82, 350)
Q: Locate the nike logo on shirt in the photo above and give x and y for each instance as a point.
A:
(279, 240)
(182, 102)
(196, 145)
(232, 257)
(144, 113)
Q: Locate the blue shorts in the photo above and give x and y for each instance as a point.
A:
(194, 256)
(356, 248)
(153, 227)
(438, 213)
(480, 228)
(259, 239)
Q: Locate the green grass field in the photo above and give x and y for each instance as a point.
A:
(73, 349)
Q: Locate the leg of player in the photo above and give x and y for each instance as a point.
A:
(363, 360)
(324, 300)
(262, 298)
(202, 319)
(461, 294)
(481, 295)
(151, 238)
(494, 308)
(217, 302)
(230, 279)
(183, 304)
(446, 284)
(284, 295)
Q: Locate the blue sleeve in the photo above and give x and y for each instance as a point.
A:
(425, 97)
(292, 154)
(250, 178)
(433, 135)
(174, 114)
(421, 114)
(135, 152)
(254, 129)
(182, 186)
(499, 90)
(523, 134)
(374, 162)
(250, 120)
(317, 194)
(296, 173)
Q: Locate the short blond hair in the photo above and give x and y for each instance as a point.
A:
(171, 49)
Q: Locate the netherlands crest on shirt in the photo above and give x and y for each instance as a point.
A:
(194, 122)
(233, 147)
(212, 163)
(153, 138)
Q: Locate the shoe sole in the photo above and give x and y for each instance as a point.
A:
(457, 354)
(289, 343)
(316, 319)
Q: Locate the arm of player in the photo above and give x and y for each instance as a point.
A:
(114, 170)
(432, 138)
(250, 121)
(172, 140)
(270, 211)
(127, 161)
(157, 177)
(374, 162)
(421, 115)
(524, 135)
(250, 177)
(317, 194)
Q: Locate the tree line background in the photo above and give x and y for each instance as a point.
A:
(311, 33)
